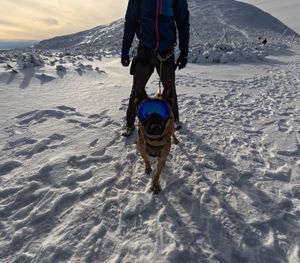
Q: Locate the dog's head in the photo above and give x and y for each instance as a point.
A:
(154, 113)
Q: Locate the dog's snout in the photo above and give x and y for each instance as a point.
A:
(155, 127)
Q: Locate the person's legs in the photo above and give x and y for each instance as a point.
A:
(141, 74)
(168, 78)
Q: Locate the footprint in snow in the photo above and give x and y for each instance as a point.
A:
(52, 142)
(7, 167)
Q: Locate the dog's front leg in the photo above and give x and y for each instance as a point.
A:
(175, 140)
(161, 163)
(148, 168)
(141, 146)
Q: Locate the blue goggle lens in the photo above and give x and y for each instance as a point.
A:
(150, 107)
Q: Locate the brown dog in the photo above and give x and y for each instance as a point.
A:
(155, 134)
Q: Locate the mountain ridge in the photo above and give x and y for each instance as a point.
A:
(211, 17)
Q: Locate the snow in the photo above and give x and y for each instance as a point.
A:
(72, 189)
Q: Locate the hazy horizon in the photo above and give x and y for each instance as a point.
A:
(11, 44)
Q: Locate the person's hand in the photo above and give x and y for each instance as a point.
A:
(125, 61)
(181, 61)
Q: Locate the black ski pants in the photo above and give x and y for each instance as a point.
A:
(142, 68)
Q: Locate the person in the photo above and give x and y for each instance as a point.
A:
(156, 24)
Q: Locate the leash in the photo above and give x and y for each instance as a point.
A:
(161, 60)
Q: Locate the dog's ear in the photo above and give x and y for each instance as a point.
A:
(168, 93)
(140, 95)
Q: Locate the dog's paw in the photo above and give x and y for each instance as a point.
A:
(155, 188)
(148, 170)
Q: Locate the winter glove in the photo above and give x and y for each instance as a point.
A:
(125, 61)
(181, 61)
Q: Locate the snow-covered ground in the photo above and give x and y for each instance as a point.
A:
(73, 190)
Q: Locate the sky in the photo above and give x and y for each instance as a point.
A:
(42, 19)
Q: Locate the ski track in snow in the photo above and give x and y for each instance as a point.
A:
(73, 190)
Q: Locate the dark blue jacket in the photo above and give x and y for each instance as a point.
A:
(155, 24)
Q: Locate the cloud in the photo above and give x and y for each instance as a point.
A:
(48, 21)
(7, 23)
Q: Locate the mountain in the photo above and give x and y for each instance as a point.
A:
(106, 37)
(243, 22)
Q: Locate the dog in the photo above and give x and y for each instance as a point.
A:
(156, 128)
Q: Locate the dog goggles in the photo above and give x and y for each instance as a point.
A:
(155, 106)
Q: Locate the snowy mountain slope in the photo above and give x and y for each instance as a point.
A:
(243, 22)
(73, 190)
(100, 37)
(286, 11)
